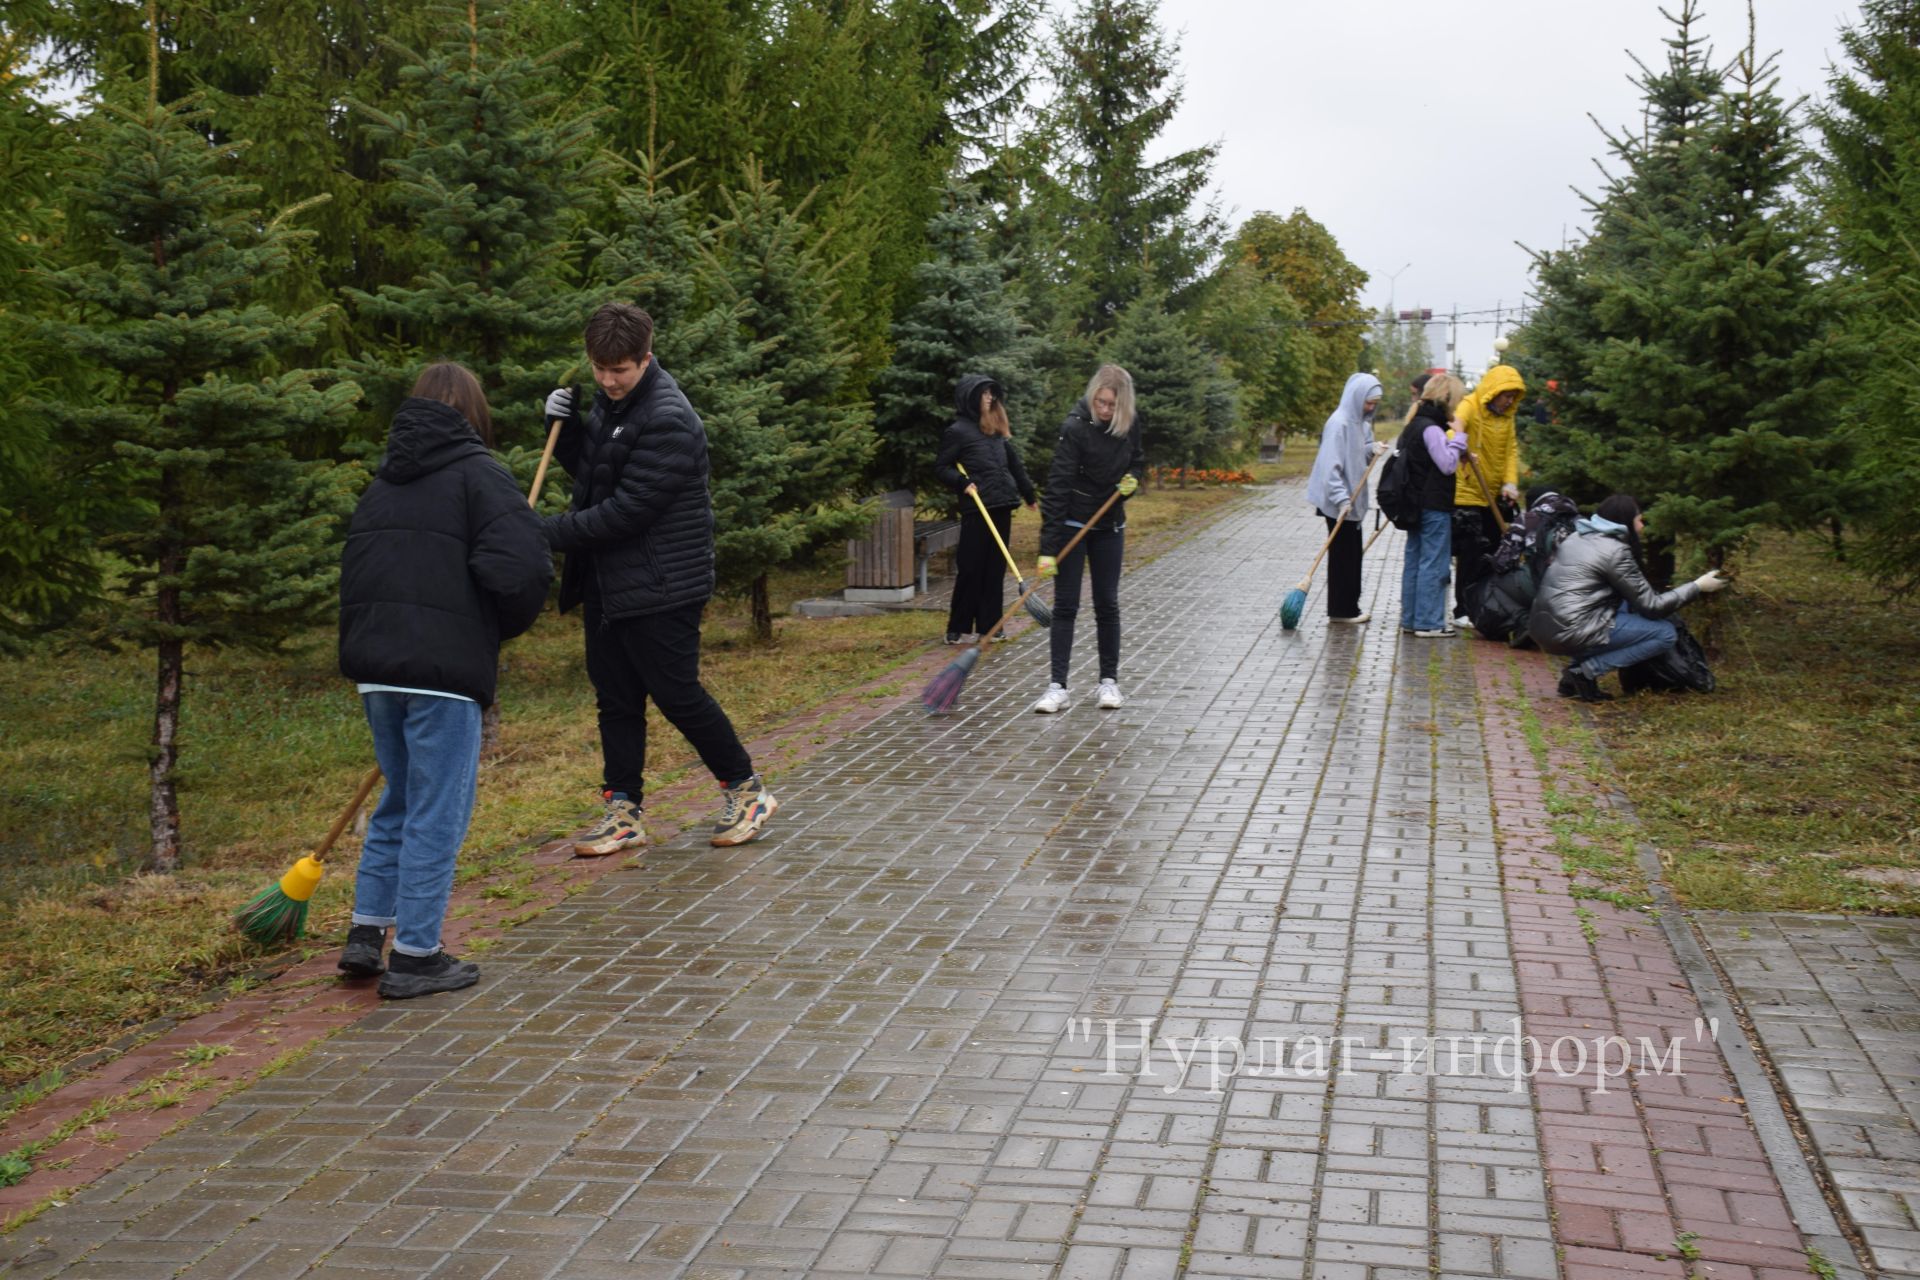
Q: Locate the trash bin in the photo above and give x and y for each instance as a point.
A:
(880, 565)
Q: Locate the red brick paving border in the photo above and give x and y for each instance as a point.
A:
(1655, 1155)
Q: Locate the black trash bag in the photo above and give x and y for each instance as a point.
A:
(1499, 604)
(1682, 667)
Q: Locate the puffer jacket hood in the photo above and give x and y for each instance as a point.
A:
(443, 560)
(426, 436)
(993, 463)
(1591, 573)
(1345, 442)
(966, 394)
(1490, 438)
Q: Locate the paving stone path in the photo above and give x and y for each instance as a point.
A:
(877, 1043)
(1836, 1000)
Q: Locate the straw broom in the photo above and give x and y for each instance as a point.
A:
(944, 689)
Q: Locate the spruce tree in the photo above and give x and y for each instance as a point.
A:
(961, 320)
(1187, 405)
(661, 258)
(798, 476)
(1699, 344)
(51, 495)
(1870, 189)
(1131, 220)
(227, 539)
(495, 171)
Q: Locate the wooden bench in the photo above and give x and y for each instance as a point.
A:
(929, 537)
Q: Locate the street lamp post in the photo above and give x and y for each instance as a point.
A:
(1391, 280)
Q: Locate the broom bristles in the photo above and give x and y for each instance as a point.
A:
(1292, 605)
(1037, 609)
(272, 918)
(944, 689)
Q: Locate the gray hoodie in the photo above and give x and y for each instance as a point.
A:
(1345, 444)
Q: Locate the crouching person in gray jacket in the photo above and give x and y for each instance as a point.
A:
(1596, 605)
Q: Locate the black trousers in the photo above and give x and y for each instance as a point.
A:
(1475, 536)
(656, 656)
(980, 571)
(1098, 556)
(1343, 570)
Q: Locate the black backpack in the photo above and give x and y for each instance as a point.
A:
(1397, 498)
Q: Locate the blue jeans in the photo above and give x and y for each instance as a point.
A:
(1423, 576)
(429, 750)
(1633, 639)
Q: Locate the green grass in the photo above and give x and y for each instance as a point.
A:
(1798, 779)
(271, 749)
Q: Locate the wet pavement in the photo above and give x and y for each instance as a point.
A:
(902, 1036)
(1836, 1002)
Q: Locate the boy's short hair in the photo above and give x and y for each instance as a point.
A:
(619, 331)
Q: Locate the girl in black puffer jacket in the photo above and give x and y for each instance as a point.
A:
(980, 440)
(1099, 451)
(444, 560)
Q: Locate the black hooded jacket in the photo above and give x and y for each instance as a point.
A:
(443, 561)
(642, 518)
(1088, 462)
(992, 463)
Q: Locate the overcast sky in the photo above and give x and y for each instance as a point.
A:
(1342, 108)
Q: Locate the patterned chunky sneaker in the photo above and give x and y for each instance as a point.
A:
(1110, 698)
(410, 976)
(360, 958)
(749, 805)
(622, 827)
(1055, 700)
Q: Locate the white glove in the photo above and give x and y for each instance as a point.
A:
(1380, 447)
(560, 404)
(1710, 582)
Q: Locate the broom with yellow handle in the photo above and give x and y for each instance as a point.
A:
(277, 915)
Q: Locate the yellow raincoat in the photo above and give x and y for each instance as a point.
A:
(1489, 438)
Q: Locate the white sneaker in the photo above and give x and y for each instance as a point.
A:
(1356, 620)
(1110, 697)
(1054, 699)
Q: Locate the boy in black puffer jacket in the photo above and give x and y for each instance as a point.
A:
(639, 548)
(443, 561)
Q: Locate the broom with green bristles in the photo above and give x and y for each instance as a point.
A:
(277, 915)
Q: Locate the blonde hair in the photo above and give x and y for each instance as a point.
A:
(1111, 377)
(1442, 389)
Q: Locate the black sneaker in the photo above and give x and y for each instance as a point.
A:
(1574, 684)
(360, 958)
(410, 976)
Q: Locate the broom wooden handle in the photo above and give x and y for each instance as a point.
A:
(1492, 504)
(1335, 531)
(1065, 551)
(546, 456)
(367, 785)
